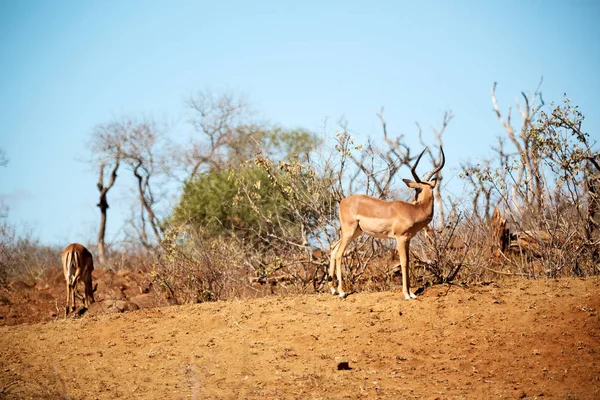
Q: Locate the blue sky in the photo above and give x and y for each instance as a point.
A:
(66, 66)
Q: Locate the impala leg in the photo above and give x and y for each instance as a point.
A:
(86, 295)
(72, 289)
(86, 291)
(344, 242)
(75, 281)
(68, 305)
(338, 269)
(89, 291)
(403, 252)
(331, 271)
(337, 263)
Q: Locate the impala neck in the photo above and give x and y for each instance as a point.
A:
(425, 203)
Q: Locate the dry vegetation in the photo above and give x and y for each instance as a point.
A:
(507, 271)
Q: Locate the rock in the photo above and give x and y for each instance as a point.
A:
(123, 306)
(103, 307)
(108, 303)
(120, 282)
(114, 293)
(342, 364)
(42, 284)
(131, 306)
(102, 274)
(54, 276)
(43, 297)
(120, 305)
(130, 292)
(144, 301)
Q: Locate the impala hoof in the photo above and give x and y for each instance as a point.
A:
(342, 295)
(410, 296)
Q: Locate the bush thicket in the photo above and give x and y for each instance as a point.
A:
(258, 211)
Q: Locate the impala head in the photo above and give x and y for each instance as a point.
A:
(424, 188)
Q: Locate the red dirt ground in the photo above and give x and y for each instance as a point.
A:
(515, 339)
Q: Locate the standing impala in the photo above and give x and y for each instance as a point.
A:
(385, 219)
(78, 263)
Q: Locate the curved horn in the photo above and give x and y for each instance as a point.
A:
(439, 168)
(413, 170)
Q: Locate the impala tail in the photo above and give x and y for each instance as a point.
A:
(71, 267)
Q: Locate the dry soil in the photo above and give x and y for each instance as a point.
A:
(515, 339)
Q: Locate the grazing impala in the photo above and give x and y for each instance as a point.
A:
(385, 219)
(78, 263)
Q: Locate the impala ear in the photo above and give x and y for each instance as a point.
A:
(410, 184)
(433, 182)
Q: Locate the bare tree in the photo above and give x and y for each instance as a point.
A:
(107, 143)
(377, 167)
(546, 180)
(221, 121)
(103, 205)
(140, 146)
(482, 190)
(143, 154)
(528, 186)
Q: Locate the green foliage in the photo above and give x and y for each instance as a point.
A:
(559, 151)
(210, 201)
(548, 193)
(306, 203)
(259, 198)
(558, 140)
(294, 144)
(276, 143)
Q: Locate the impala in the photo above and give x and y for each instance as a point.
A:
(385, 219)
(78, 263)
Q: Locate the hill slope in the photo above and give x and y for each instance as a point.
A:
(511, 340)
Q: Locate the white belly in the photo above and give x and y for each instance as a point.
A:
(380, 235)
(377, 227)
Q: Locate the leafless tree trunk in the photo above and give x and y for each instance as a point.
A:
(147, 201)
(103, 205)
(140, 146)
(500, 232)
(106, 144)
(144, 152)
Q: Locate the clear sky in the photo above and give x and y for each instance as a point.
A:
(66, 66)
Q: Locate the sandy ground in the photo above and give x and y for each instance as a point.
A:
(521, 339)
